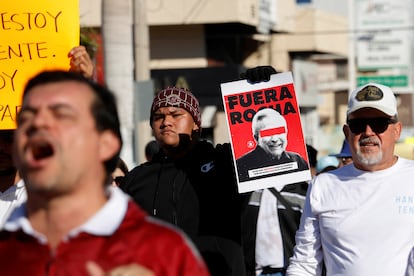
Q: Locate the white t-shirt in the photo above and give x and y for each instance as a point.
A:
(13, 197)
(269, 245)
(410, 266)
(358, 222)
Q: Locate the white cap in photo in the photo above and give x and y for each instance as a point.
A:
(373, 95)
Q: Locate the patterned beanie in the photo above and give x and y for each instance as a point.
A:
(177, 97)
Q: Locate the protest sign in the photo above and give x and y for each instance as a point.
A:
(34, 36)
(269, 149)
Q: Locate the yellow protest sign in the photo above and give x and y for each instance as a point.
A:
(34, 35)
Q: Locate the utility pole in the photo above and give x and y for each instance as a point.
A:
(118, 52)
(352, 35)
(143, 90)
(141, 41)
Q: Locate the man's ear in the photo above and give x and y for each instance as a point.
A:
(397, 131)
(109, 145)
(346, 131)
(196, 127)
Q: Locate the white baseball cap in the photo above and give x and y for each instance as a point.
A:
(373, 95)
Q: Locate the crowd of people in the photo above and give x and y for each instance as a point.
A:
(70, 202)
(74, 222)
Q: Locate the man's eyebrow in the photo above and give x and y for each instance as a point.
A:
(61, 106)
(56, 106)
(27, 108)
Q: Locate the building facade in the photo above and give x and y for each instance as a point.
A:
(200, 44)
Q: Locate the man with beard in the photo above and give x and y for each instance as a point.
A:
(358, 219)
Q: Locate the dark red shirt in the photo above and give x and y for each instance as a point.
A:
(138, 239)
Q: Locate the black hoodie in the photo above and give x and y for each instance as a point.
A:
(198, 193)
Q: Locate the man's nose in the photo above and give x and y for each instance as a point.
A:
(167, 120)
(274, 138)
(368, 131)
(42, 117)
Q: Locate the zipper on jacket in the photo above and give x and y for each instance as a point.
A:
(154, 201)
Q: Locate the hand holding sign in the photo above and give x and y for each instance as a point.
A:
(81, 62)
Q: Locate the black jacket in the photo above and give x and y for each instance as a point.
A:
(258, 158)
(198, 193)
(289, 213)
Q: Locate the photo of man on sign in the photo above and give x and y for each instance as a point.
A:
(264, 124)
(269, 129)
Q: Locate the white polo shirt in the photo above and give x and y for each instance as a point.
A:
(13, 197)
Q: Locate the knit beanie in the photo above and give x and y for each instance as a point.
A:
(177, 97)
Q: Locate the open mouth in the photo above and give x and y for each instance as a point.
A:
(41, 149)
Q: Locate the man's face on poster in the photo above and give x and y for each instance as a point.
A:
(270, 131)
(273, 136)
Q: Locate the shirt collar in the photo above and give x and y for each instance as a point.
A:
(13, 188)
(103, 223)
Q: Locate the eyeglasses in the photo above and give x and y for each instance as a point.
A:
(378, 125)
(118, 180)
